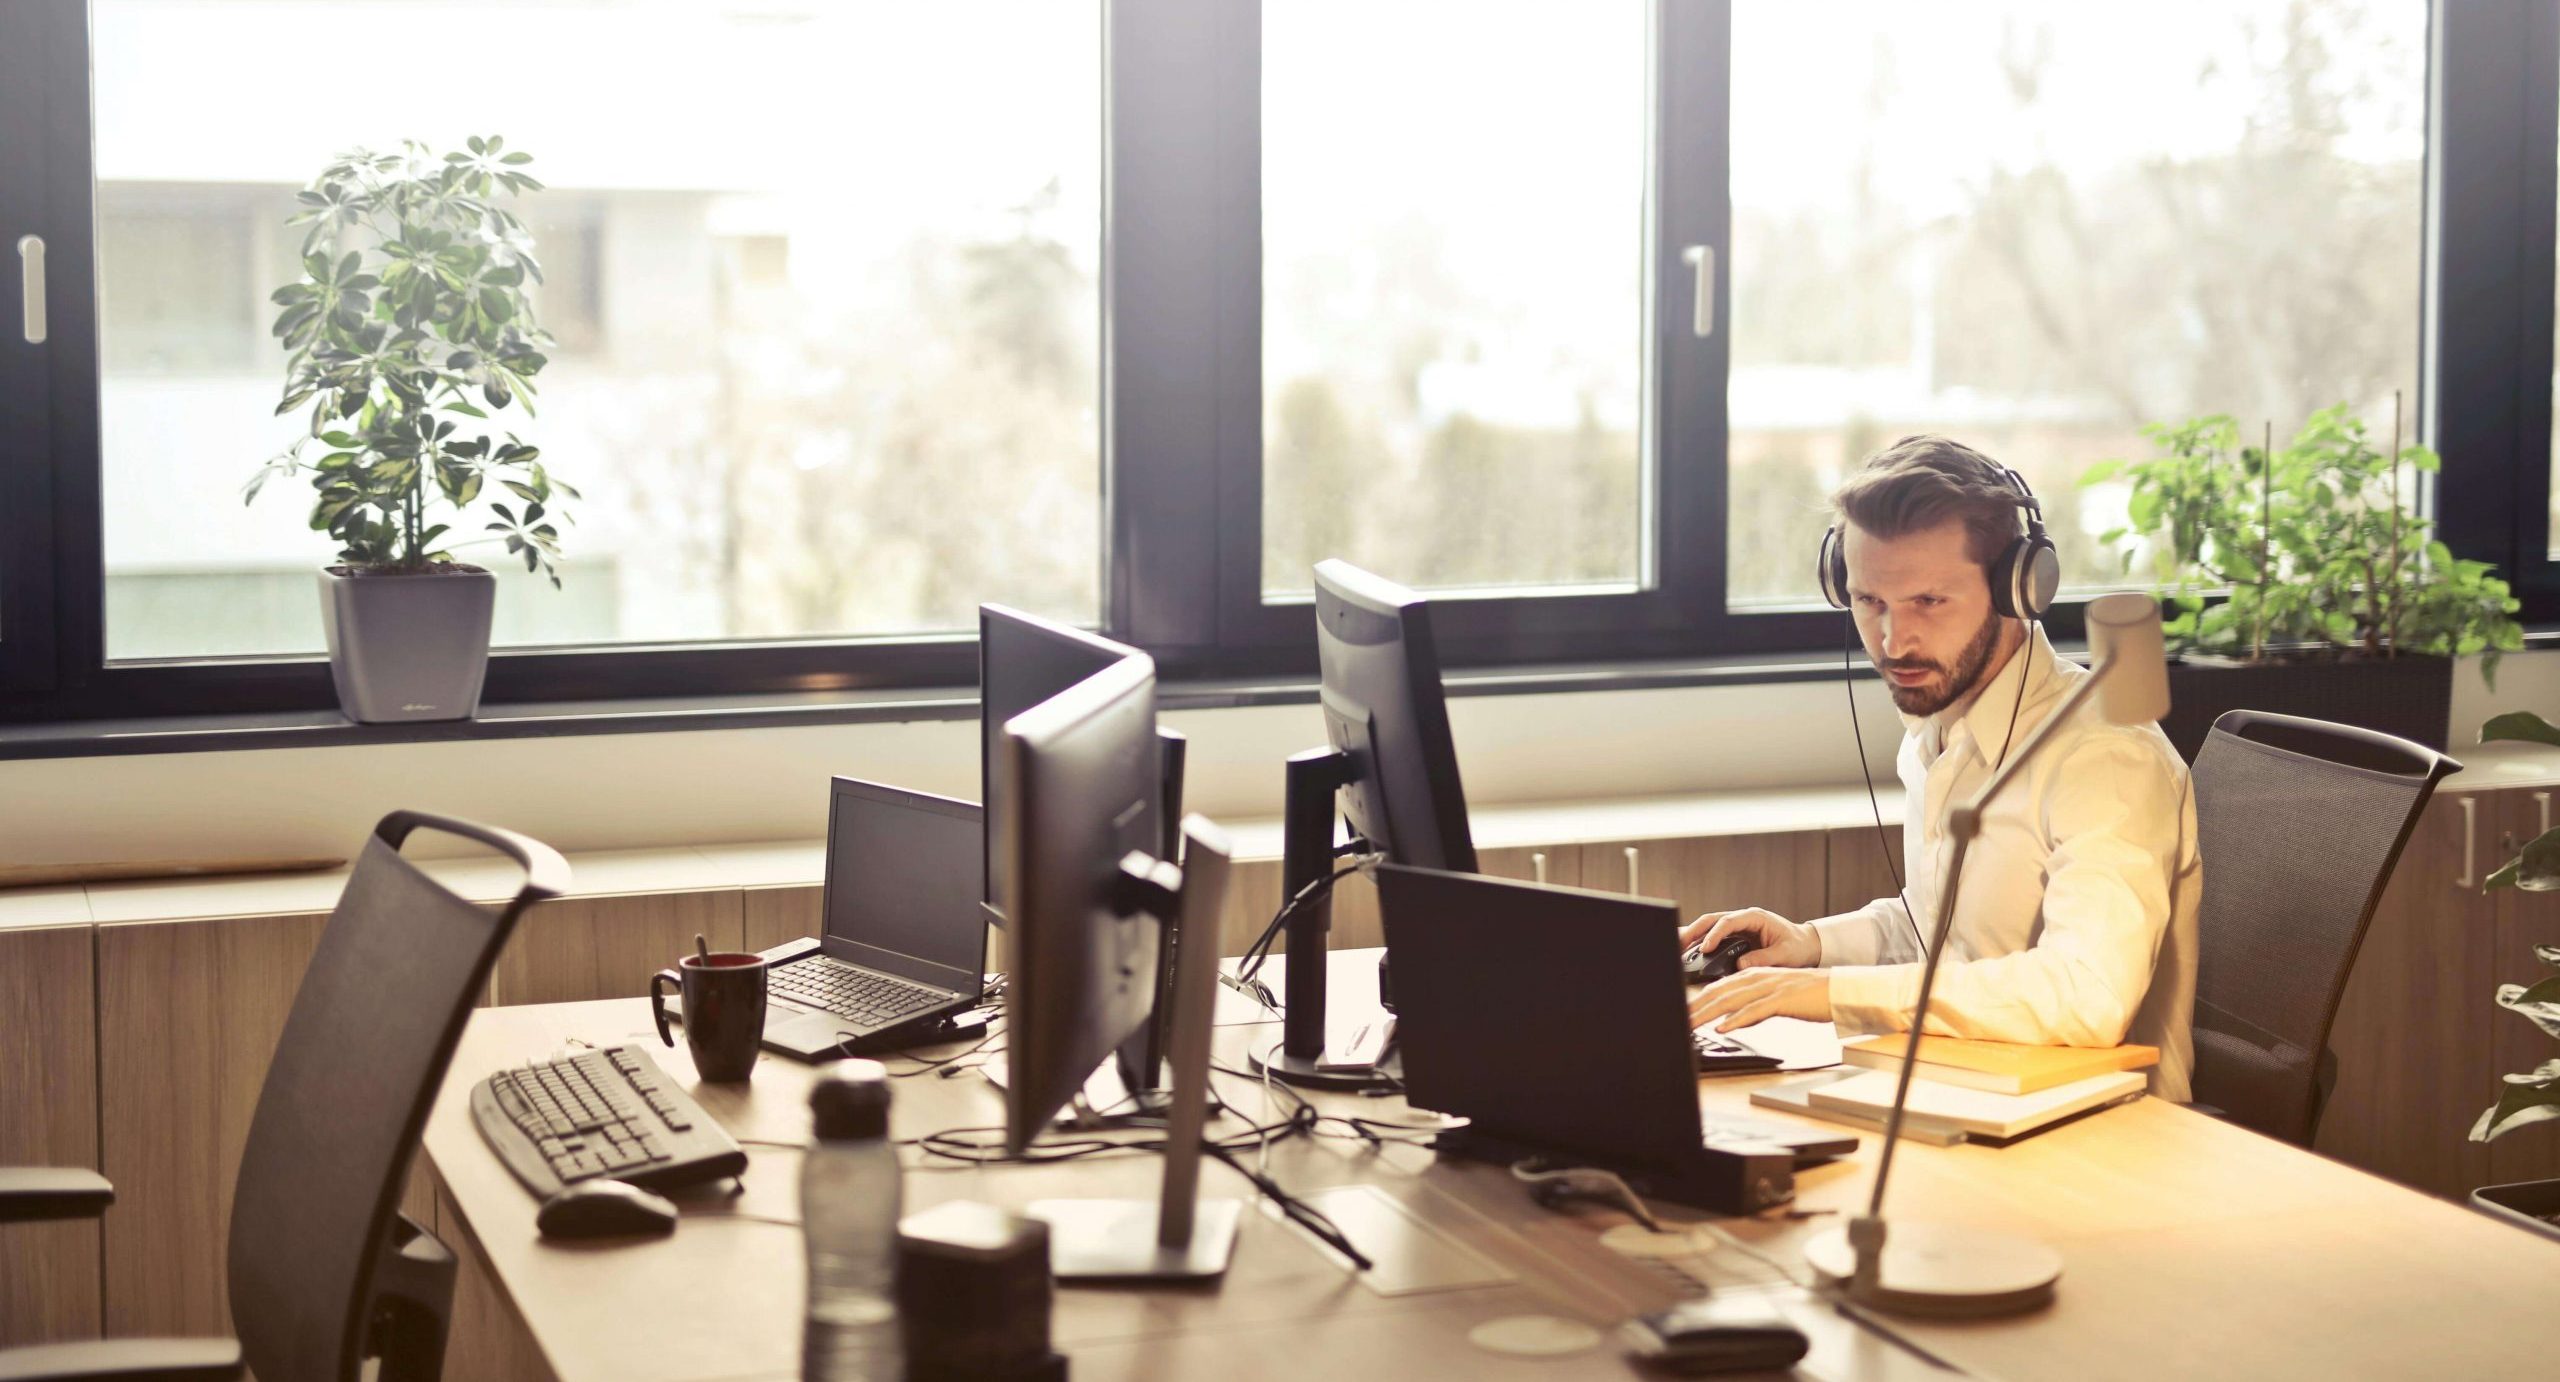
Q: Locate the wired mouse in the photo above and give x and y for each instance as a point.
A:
(1701, 967)
(605, 1209)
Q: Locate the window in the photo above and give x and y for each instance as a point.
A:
(826, 327)
(2037, 228)
(1453, 292)
(1130, 312)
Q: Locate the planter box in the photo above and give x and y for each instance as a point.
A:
(408, 647)
(2410, 696)
(2527, 1204)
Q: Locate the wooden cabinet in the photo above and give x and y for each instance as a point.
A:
(1782, 872)
(1861, 868)
(580, 948)
(2412, 1032)
(2524, 921)
(48, 1117)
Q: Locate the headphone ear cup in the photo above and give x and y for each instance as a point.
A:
(1831, 569)
(2039, 577)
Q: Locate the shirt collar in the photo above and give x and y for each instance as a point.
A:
(1986, 711)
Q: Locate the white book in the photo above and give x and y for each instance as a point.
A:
(1796, 1096)
(1979, 1111)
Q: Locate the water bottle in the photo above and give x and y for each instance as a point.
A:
(849, 1208)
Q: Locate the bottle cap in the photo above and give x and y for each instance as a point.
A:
(850, 1101)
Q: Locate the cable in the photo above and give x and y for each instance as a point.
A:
(1251, 964)
(1858, 738)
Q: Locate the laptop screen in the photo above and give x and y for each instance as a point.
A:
(904, 877)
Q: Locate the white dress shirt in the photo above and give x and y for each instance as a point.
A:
(2076, 920)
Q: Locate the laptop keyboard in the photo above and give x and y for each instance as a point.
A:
(1719, 1052)
(859, 995)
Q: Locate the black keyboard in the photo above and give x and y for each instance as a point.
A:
(1719, 1054)
(857, 995)
(608, 1114)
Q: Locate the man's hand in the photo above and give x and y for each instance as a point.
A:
(1782, 942)
(1754, 994)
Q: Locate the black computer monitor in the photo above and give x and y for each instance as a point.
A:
(1023, 660)
(1090, 905)
(1384, 711)
(1389, 768)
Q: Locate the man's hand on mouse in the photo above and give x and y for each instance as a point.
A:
(1782, 942)
(1775, 980)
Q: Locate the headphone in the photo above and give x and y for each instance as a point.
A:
(2023, 577)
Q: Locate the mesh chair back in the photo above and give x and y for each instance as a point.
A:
(364, 1050)
(2299, 823)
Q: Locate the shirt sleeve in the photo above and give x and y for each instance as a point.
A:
(1878, 933)
(2114, 811)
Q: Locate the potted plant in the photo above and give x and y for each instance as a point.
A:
(2533, 1096)
(413, 301)
(2297, 580)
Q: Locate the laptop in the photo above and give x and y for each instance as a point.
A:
(1555, 1020)
(905, 941)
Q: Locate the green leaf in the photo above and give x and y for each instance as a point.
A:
(2540, 1004)
(2535, 869)
(2523, 1100)
(2521, 725)
(2100, 473)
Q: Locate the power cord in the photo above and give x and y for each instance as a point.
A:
(1251, 965)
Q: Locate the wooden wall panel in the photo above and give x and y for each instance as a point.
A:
(773, 916)
(48, 1117)
(188, 1017)
(579, 948)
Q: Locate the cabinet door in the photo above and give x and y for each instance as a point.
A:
(1861, 869)
(1557, 864)
(1782, 872)
(2412, 1035)
(48, 1117)
(2525, 920)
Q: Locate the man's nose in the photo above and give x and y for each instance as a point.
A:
(1898, 641)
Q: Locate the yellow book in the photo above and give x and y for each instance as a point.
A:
(2000, 1067)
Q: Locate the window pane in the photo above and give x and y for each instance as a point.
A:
(825, 308)
(1452, 320)
(2036, 228)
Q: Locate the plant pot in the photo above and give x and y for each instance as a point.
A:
(407, 646)
(2529, 1204)
(2410, 695)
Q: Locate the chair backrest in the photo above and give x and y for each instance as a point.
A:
(364, 1050)
(2299, 823)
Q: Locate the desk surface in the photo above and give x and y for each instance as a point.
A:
(2191, 1248)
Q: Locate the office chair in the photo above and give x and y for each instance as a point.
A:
(324, 1270)
(2299, 823)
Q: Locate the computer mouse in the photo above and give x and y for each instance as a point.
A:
(1702, 967)
(605, 1209)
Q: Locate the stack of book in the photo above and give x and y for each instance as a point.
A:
(1961, 1090)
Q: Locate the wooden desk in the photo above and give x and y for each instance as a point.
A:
(2192, 1249)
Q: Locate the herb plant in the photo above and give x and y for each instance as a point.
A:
(2529, 1096)
(414, 299)
(2311, 550)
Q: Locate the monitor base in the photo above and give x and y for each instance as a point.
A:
(1115, 1240)
(1941, 1271)
(1270, 1058)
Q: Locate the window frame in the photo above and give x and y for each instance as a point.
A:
(1181, 412)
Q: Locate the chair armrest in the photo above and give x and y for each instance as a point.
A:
(29, 1193)
(124, 1360)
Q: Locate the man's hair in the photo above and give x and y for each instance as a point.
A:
(1922, 481)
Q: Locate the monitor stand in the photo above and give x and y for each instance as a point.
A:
(1179, 1236)
(1314, 783)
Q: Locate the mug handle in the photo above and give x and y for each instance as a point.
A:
(657, 1002)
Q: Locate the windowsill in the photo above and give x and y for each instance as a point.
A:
(328, 729)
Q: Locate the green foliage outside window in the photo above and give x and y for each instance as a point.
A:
(2313, 551)
(413, 301)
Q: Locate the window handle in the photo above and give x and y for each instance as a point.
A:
(1701, 260)
(31, 282)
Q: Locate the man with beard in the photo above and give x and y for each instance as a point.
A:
(2076, 923)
